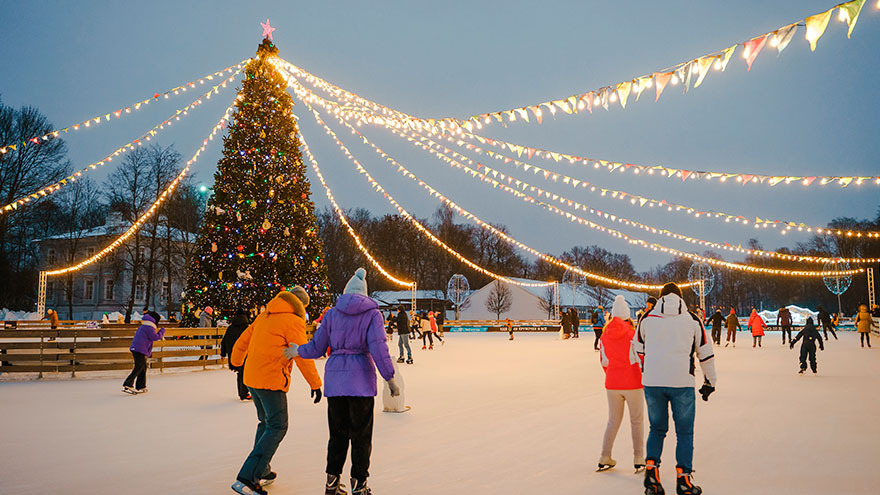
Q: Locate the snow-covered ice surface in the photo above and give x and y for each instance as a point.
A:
(489, 416)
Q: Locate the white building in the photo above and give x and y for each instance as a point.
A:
(529, 303)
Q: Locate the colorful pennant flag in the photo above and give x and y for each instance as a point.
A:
(816, 27)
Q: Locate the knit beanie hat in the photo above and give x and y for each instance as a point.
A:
(620, 309)
(357, 284)
(301, 293)
(671, 288)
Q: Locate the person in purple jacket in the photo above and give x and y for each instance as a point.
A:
(355, 333)
(142, 348)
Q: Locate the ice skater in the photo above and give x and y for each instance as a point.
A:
(509, 325)
(757, 326)
(353, 331)
(575, 320)
(811, 335)
(565, 323)
(403, 333)
(669, 340)
(263, 349)
(623, 384)
(717, 321)
(864, 322)
(432, 319)
(732, 324)
(598, 322)
(142, 348)
(425, 328)
(783, 319)
(824, 318)
(236, 327)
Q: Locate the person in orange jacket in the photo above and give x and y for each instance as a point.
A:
(757, 326)
(267, 375)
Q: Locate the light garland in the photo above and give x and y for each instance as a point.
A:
(304, 93)
(122, 111)
(685, 72)
(341, 215)
(574, 218)
(150, 211)
(52, 188)
(424, 230)
(461, 211)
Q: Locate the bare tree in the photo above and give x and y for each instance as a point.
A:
(547, 302)
(500, 299)
(164, 166)
(181, 217)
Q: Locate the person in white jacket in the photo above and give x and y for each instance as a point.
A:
(670, 340)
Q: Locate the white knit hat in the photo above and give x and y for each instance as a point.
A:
(357, 284)
(620, 308)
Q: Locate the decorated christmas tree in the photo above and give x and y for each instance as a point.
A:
(259, 234)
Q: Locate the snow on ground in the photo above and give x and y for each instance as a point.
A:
(489, 416)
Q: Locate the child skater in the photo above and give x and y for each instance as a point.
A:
(142, 348)
(811, 335)
(353, 331)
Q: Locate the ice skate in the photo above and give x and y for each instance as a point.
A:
(727, 344)
(360, 487)
(143, 390)
(801, 372)
(424, 347)
(245, 487)
(684, 484)
(333, 485)
(268, 478)
(638, 464)
(409, 361)
(400, 359)
(652, 479)
(129, 390)
(431, 348)
(606, 463)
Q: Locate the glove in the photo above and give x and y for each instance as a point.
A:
(292, 351)
(791, 345)
(316, 394)
(392, 385)
(231, 367)
(706, 390)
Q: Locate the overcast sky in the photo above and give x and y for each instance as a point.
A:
(803, 113)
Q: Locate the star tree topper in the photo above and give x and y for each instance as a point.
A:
(267, 30)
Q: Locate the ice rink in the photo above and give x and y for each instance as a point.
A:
(488, 416)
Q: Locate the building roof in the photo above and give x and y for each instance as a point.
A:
(393, 297)
(112, 230)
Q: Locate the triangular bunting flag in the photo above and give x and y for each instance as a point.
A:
(850, 12)
(670, 172)
(642, 201)
(746, 178)
(589, 99)
(783, 37)
(572, 102)
(537, 111)
(687, 71)
(844, 181)
(684, 175)
(704, 64)
(606, 95)
(816, 27)
(623, 90)
(642, 84)
(752, 49)
(523, 113)
(660, 81)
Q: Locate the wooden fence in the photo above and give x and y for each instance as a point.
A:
(76, 346)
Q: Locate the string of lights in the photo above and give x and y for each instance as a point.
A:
(135, 227)
(575, 218)
(465, 213)
(360, 245)
(523, 185)
(52, 188)
(122, 111)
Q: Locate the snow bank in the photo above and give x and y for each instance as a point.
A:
(799, 315)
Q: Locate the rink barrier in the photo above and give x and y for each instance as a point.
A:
(466, 326)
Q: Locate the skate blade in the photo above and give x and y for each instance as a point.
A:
(639, 470)
(130, 392)
(604, 468)
(406, 408)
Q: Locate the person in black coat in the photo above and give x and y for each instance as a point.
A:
(236, 327)
(811, 335)
(825, 320)
(717, 321)
(565, 321)
(574, 321)
(403, 332)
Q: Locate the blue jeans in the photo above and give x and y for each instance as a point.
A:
(683, 402)
(403, 340)
(272, 412)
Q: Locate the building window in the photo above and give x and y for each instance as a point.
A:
(109, 285)
(51, 257)
(50, 291)
(89, 293)
(139, 290)
(90, 251)
(166, 291)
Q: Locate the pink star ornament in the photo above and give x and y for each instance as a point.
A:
(267, 30)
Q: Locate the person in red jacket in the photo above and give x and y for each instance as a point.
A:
(757, 326)
(623, 384)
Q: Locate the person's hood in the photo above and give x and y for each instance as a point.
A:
(355, 304)
(671, 304)
(280, 304)
(239, 319)
(809, 324)
(617, 329)
(149, 321)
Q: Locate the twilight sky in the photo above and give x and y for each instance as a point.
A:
(802, 113)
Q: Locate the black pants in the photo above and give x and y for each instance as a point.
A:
(598, 331)
(786, 329)
(826, 328)
(574, 331)
(350, 420)
(808, 351)
(716, 335)
(243, 391)
(425, 335)
(139, 372)
(864, 337)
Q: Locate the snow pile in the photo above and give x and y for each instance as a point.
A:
(799, 315)
(8, 314)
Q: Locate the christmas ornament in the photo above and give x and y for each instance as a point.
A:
(286, 231)
(213, 247)
(266, 224)
(240, 248)
(238, 216)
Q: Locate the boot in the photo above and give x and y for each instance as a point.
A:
(684, 484)
(652, 479)
(360, 487)
(606, 463)
(638, 463)
(400, 359)
(409, 361)
(333, 487)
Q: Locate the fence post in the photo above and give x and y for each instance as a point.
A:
(73, 351)
(41, 353)
(162, 359)
(205, 353)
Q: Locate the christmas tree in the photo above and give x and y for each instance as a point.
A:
(259, 234)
